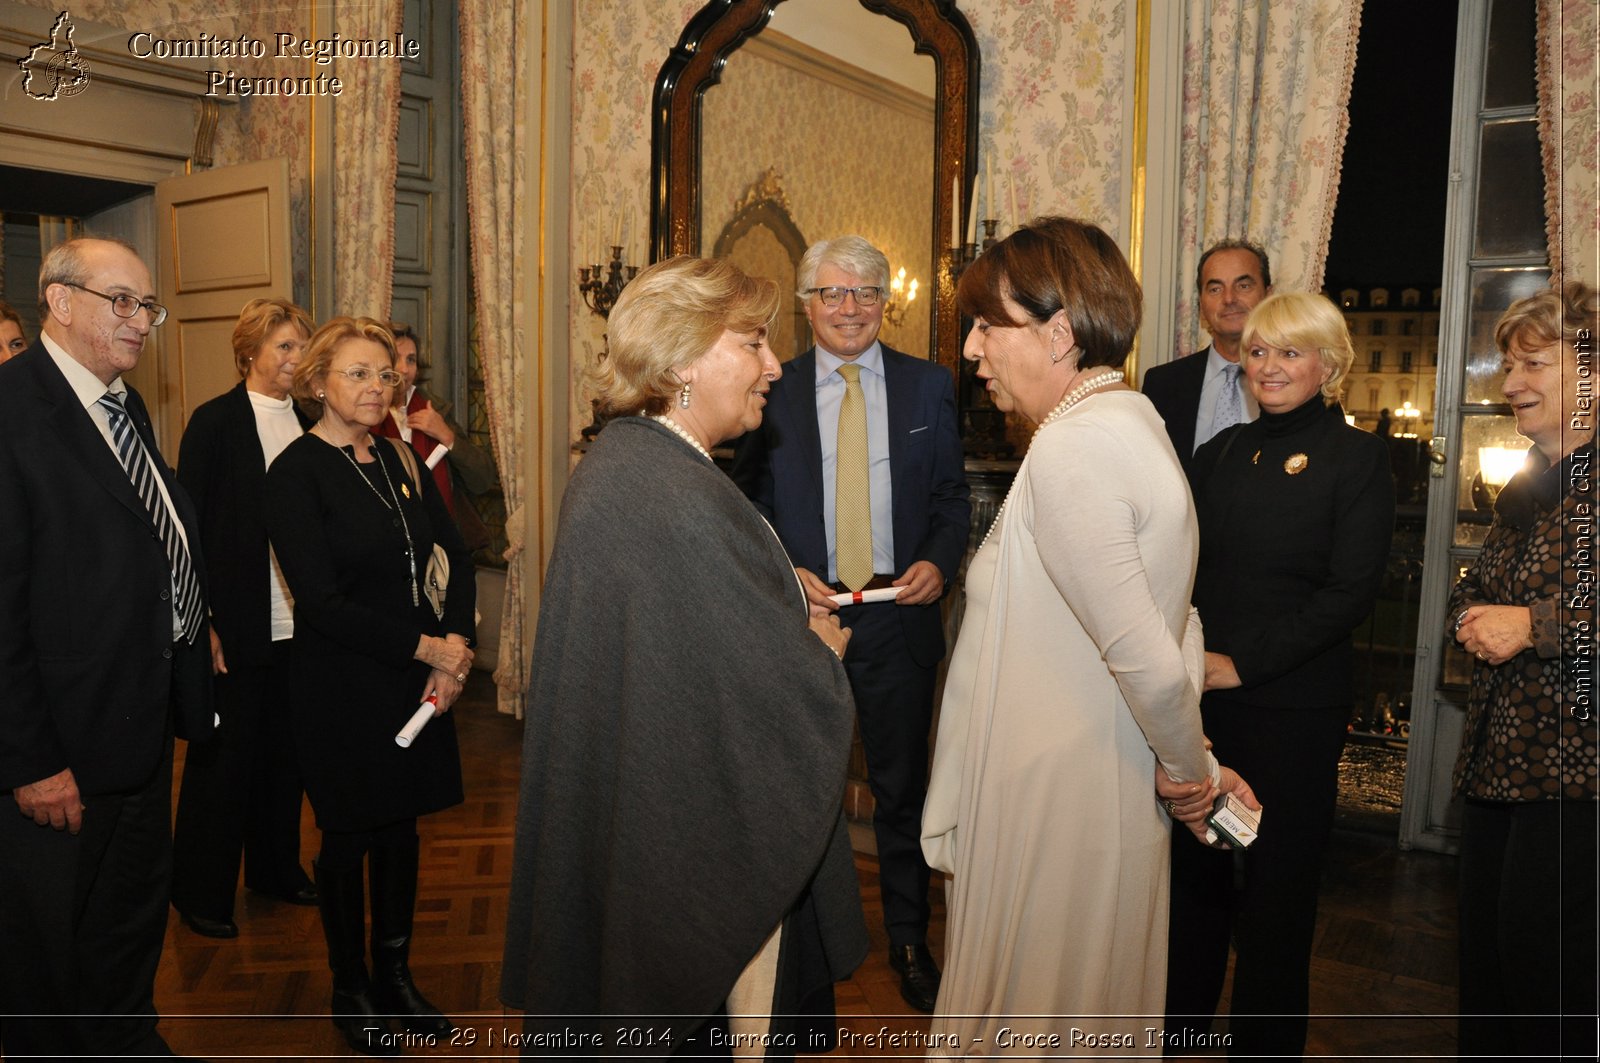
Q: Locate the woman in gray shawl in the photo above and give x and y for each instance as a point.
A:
(680, 844)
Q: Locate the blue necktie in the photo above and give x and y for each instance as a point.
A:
(1229, 409)
(136, 463)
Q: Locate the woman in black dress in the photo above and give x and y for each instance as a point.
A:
(353, 532)
(1296, 510)
(241, 790)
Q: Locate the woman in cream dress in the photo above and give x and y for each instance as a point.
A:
(1075, 675)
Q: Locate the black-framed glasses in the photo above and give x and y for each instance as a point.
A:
(361, 374)
(866, 295)
(125, 305)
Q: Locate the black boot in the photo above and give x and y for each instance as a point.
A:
(394, 901)
(355, 1013)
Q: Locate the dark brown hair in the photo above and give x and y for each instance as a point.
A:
(1053, 264)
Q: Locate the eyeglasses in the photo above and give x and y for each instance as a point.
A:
(865, 296)
(361, 374)
(124, 305)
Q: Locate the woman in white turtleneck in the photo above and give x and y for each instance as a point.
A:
(241, 792)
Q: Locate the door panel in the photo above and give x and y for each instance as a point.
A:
(224, 237)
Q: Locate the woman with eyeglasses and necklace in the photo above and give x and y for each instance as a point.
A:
(353, 532)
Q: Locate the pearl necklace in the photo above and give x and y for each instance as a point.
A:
(1068, 401)
(392, 503)
(681, 432)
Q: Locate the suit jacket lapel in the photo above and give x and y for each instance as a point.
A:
(803, 412)
(900, 395)
(82, 439)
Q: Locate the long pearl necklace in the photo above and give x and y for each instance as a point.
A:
(395, 507)
(1068, 401)
(681, 432)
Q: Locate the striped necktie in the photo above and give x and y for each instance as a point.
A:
(852, 491)
(136, 463)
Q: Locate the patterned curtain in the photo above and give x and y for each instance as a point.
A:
(366, 121)
(494, 69)
(1266, 95)
(1569, 136)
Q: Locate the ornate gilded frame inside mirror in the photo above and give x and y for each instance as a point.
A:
(695, 64)
(763, 240)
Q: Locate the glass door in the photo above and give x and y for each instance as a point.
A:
(1495, 254)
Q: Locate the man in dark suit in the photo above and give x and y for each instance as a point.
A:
(1201, 394)
(858, 465)
(103, 654)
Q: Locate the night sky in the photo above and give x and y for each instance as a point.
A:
(1388, 227)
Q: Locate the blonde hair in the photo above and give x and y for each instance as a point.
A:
(1304, 322)
(1549, 317)
(259, 319)
(323, 345)
(668, 316)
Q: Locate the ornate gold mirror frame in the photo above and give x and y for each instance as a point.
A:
(695, 64)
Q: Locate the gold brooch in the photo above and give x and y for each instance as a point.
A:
(1296, 464)
(1255, 459)
(405, 489)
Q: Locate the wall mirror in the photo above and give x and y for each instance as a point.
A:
(862, 111)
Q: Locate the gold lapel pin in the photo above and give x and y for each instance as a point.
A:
(405, 489)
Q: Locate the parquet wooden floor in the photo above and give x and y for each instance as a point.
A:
(1385, 952)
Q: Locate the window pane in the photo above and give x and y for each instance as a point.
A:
(1510, 190)
(1491, 450)
(1493, 290)
(1508, 71)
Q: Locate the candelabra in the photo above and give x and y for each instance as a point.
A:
(964, 255)
(601, 285)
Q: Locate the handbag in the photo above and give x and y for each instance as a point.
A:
(436, 580)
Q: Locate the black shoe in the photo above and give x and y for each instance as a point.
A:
(211, 928)
(919, 975)
(365, 1030)
(305, 895)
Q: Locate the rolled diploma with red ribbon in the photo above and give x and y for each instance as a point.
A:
(882, 594)
(418, 721)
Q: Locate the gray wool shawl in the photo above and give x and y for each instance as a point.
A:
(686, 743)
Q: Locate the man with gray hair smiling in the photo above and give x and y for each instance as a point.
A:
(858, 466)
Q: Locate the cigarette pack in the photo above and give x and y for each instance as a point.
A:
(1234, 822)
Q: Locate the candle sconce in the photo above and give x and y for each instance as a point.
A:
(894, 311)
(601, 285)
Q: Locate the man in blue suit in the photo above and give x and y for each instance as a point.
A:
(858, 466)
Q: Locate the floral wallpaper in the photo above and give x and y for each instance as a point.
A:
(1050, 110)
(882, 193)
(1051, 104)
(1569, 131)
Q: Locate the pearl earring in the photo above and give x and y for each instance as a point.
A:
(683, 396)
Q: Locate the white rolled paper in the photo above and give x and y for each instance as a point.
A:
(882, 594)
(437, 456)
(418, 721)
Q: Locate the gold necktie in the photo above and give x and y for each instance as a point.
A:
(852, 492)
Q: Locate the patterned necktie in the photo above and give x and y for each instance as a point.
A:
(136, 463)
(1229, 409)
(852, 493)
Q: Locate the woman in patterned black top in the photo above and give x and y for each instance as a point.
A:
(1525, 611)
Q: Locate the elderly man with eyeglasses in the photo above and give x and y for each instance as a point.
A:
(104, 654)
(858, 466)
